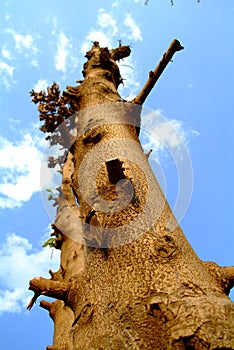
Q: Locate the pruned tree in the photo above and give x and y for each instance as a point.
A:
(128, 278)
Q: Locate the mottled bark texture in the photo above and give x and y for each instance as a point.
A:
(127, 280)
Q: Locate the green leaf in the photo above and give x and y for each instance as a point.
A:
(50, 197)
(49, 242)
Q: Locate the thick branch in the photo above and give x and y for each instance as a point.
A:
(120, 52)
(44, 286)
(154, 75)
(224, 275)
(228, 272)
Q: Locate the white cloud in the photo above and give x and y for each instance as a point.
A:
(106, 20)
(108, 28)
(12, 120)
(64, 57)
(63, 47)
(53, 20)
(165, 136)
(20, 167)
(6, 53)
(6, 68)
(41, 85)
(115, 3)
(23, 42)
(66, 54)
(105, 33)
(6, 74)
(135, 33)
(145, 2)
(34, 63)
(94, 35)
(19, 263)
(129, 74)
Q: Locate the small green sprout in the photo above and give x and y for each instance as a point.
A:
(50, 242)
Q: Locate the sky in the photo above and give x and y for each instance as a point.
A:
(45, 41)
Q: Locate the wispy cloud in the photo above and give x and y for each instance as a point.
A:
(63, 47)
(6, 53)
(23, 42)
(6, 74)
(106, 20)
(20, 262)
(6, 68)
(34, 63)
(164, 136)
(115, 3)
(96, 35)
(108, 28)
(66, 54)
(41, 85)
(64, 57)
(21, 164)
(135, 31)
(128, 72)
(105, 31)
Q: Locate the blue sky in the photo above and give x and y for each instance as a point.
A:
(42, 42)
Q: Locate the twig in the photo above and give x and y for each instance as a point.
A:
(33, 300)
(148, 152)
(154, 75)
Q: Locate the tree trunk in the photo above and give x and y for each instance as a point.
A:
(128, 277)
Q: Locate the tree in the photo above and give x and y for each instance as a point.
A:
(128, 278)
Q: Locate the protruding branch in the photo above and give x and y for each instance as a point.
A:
(45, 305)
(224, 275)
(52, 273)
(50, 288)
(33, 301)
(120, 52)
(148, 152)
(154, 75)
(228, 272)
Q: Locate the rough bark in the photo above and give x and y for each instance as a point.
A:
(120, 285)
